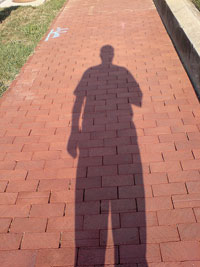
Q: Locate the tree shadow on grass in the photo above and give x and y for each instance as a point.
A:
(6, 12)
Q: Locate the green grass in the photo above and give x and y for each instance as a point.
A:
(197, 3)
(21, 28)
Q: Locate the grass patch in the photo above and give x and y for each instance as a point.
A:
(197, 3)
(21, 28)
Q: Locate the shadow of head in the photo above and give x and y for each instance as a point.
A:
(107, 54)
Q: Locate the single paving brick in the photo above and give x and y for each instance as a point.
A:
(138, 219)
(47, 210)
(169, 189)
(80, 238)
(10, 241)
(169, 166)
(100, 193)
(135, 191)
(121, 236)
(20, 225)
(180, 251)
(186, 201)
(139, 253)
(11, 211)
(15, 258)
(3, 186)
(83, 208)
(175, 216)
(154, 203)
(159, 234)
(4, 225)
(67, 196)
(40, 240)
(118, 205)
(13, 175)
(151, 179)
(8, 198)
(193, 187)
(117, 180)
(184, 176)
(59, 257)
(93, 256)
(100, 221)
(64, 223)
(189, 231)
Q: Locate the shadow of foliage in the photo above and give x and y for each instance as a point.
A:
(6, 12)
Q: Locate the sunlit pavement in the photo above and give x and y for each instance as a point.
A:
(100, 146)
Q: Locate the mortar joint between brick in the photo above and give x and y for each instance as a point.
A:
(30, 211)
(178, 232)
(181, 165)
(120, 225)
(16, 198)
(160, 253)
(20, 244)
(174, 145)
(152, 190)
(76, 255)
(10, 225)
(117, 169)
(172, 202)
(26, 176)
(150, 169)
(47, 221)
(60, 239)
(49, 197)
(30, 132)
(6, 186)
(118, 253)
(38, 186)
(139, 237)
(15, 165)
(26, 113)
(83, 195)
(187, 136)
(117, 135)
(186, 188)
(64, 211)
(13, 140)
(100, 211)
(86, 172)
(136, 205)
(134, 180)
(194, 214)
(22, 148)
(167, 177)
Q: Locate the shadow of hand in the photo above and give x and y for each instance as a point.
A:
(72, 147)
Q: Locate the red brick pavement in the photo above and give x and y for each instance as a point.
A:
(100, 161)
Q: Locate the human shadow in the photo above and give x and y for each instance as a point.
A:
(109, 182)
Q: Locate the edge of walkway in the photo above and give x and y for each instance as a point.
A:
(29, 58)
(182, 21)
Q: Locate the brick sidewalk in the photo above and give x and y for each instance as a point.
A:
(100, 161)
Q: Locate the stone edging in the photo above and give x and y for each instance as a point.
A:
(182, 22)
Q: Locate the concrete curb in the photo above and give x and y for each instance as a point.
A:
(10, 3)
(182, 22)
